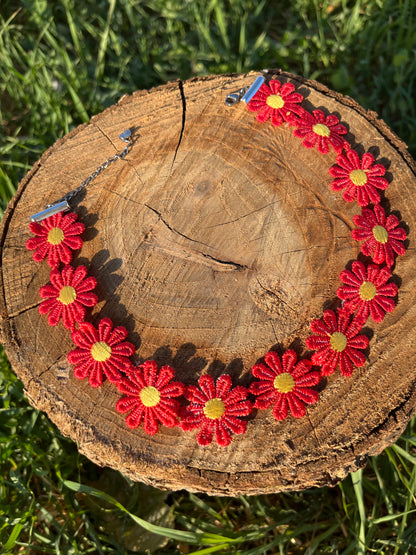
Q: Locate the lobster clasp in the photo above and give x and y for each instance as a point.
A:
(235, 97)
(245, 94)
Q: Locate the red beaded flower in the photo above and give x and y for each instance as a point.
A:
(67, 295)
(318, 129)
(284, 384)
(276, 101)
(337, 342)
(150, 397)
(101, 352)
(56, 237)
(368, 291)
(359, 178)
(215, 408)
(381, 235)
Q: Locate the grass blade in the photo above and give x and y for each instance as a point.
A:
(183, 536)
(357, 482)
(104, 41)
(14, 536)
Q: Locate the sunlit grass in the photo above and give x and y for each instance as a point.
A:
(60, 63)
(48, 491)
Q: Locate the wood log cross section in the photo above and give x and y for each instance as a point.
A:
(214, 241)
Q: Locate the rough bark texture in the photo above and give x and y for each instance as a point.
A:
(217, 239)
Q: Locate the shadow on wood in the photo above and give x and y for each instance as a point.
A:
(216, 239)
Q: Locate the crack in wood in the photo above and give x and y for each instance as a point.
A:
(394, 411)
(123, 197)
(23, 310)
(276, 296)
(227, 262)
(244, 215)
(235, 265)
(173, 229)
(183, 99)
(313, 430)
(104, 135)
(46, 370)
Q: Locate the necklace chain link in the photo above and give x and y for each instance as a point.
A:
(63, 203)
(97, 171)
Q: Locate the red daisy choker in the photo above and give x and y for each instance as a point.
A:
(285, 384)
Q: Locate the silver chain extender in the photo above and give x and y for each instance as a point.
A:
(63, 203)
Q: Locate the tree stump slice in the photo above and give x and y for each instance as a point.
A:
(214, 241)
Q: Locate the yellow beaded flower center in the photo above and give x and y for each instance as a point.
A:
(149, 396)
(367, 291)
(380, 234)
(214, 409)
(358, 177)
(284, 383)
(275, 101)
(67, 295)
(55, 236)
(100, 351)
(321, 129)
(338, 341)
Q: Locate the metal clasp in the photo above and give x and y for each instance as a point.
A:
(125, 136)
(245, 94)
(235, 97)
(50, 210)
(62, 204)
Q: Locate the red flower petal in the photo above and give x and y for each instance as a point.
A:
(359, 177)
(101, 352)
(67, 295)
(277, 102)
(337, 343)
(382, 237)
(215, 408)
(317, 130)
(57, 237)
(284, 383)
(367, 291)
(150, 397)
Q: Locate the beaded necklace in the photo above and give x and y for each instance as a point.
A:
(150, 396)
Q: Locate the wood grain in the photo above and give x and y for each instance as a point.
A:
(217, 239)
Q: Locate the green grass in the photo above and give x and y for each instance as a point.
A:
(63, 61)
